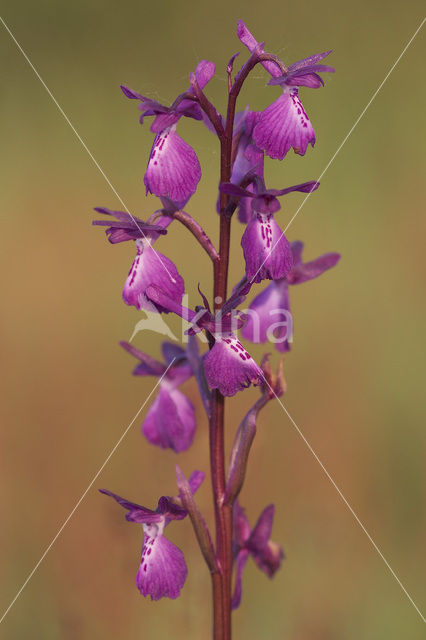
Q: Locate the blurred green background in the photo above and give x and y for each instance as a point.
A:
(355, 374)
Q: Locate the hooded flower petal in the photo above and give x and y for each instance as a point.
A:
(170, 421)
(268, 318)
(270, 558)
(269, 315)
(262, 531)
(251, 43)
(151, 267)
(147, 366)
(240, 524)
(253, 161)
(229, 368)
(137, 513)
(267, 554)
(162, 571)
(180, 369)
(248, 159)
(284, 124)
(173, 168)
(128, 227)
(266, 249)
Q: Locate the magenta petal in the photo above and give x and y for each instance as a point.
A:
(284, 124)
(147, 366)
(270, 558)
(263, 528)
(157, 295)
(240, 524)
(310, 270)
(204, 72)
(229, 368)
(268, 313)
(151, 267)
(297, 250)
(164, 121)
(129, 93)
(172, 351)
(308, 62)
(173, 168)
(162, 571)
(245, 210)
(310, 80)
(266, 249)
(195, 480)
(251, 43)
(170, 421)
(240, 564)
(145, 515)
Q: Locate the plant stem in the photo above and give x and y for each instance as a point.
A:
(223, 513)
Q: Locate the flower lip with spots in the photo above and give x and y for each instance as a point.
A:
(162, 570)
(266, 250)
(149, 266)
(173, 169)
(285, 124)
(228, 367)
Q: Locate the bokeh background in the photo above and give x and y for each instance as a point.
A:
(356, 372)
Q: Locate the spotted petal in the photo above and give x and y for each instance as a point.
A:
(162, 571)
(283, 125)
(173, 167)
(229, 368)
(151, 267)
(266, 249)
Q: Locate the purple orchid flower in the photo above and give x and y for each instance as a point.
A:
(274, 300)
(149, 266)
(228, 367)
(249, 159)
(285, 123)
(170, 422)
(267, 555)
(266, 250)
(173, 168)
(162, 571)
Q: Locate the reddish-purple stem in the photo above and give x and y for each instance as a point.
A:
(222, 581)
